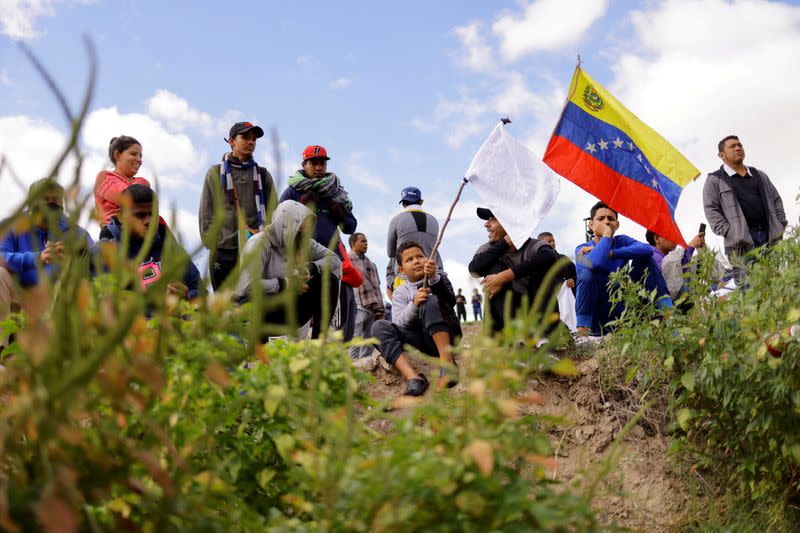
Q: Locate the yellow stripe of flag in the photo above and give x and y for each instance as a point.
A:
(661, 154)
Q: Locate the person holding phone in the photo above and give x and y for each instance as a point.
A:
(672, 260)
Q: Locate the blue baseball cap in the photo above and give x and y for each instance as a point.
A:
(410, 195)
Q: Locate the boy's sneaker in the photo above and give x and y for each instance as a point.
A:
(448, 377)
(587, 339)
(416, 386)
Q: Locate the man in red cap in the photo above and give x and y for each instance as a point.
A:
(236, 185)
(314, 186)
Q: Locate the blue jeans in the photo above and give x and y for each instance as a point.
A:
(592, 305)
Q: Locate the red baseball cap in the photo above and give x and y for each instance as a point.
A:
(313, 152)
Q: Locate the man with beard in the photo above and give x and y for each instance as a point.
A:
(510, 272)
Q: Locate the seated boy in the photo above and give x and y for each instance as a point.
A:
(422, 317)
(266, 261)
(598, 258)
(41, 248)
(137, 215)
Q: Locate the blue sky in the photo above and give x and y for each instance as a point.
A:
(399, 94)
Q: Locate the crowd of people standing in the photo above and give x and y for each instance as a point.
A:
(263, 244)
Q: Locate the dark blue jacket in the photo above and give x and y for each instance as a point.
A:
(150, 269)
(20, 251)
(326, 227)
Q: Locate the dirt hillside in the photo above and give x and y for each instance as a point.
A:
(641, 491)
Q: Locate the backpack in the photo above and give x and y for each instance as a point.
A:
(350, 273)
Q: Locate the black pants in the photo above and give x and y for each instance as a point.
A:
(347, 311)
(222, 264)
(392, 337)
(461, 311)
(309, 305)
(498, 303)
(497, 306)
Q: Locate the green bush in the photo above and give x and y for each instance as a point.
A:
(185, 422)
(113, 421)
(737, 407)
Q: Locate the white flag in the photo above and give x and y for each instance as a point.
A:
(514, 183)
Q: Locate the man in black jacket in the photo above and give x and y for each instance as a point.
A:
(508, 271)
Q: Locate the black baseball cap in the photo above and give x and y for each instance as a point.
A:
(244, 127)
(485, 213)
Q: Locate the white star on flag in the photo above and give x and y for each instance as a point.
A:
(590, 147)
(617, 143)
(639, 157)
(655, 183)
(647, 169)
(603, 144)
(630, 145)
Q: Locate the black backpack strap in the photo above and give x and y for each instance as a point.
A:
(421, 220)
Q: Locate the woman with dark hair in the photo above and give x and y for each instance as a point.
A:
(126, 154)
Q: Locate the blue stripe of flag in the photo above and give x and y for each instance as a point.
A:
(588, 132)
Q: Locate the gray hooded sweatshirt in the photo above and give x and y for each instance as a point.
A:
(267, 251)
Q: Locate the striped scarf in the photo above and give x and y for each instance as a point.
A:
(226, 180)
(328, 187)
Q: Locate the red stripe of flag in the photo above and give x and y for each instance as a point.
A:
(625, 195)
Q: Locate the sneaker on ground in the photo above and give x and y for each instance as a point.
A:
(416, 386)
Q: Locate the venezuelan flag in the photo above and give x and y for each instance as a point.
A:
(606, 150)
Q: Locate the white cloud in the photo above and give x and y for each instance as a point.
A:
(695, 86)
(18, 17)
(477, 53)
(546, 25)
(470, 114)
(29, 147)
(465, 115)
(340, 83)
(170, 159)
(460, 277)
(176, 113)
(356, 169)
(5, 79)
(183, 223)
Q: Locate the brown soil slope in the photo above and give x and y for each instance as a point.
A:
(640, 489)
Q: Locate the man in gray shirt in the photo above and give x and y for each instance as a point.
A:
(412, 224)
(236, 185)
